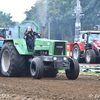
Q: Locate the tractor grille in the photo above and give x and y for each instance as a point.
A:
(59, 48)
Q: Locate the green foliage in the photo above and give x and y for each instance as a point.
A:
(86, 73)
(5, 20)
(82, 73)
(60, 11)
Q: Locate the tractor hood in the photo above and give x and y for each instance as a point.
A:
(53, 46)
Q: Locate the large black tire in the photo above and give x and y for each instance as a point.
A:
(73, 73)
(90, 56)
(76, 53)
(12, 63)
(50, 72)
(37, 68)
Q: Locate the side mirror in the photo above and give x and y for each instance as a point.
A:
(9, 32)
(83, 36)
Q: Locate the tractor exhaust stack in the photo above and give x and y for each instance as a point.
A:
(43, 31)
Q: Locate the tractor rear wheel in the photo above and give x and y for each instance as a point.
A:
(73, 73)
(37, 68)
(12, 64)
(76, 53)
(90, 56)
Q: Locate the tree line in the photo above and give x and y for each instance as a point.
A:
(59, 12)
(5, 20)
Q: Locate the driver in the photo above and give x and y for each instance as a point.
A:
(29, 35)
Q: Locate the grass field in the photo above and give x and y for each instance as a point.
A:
(84, 73)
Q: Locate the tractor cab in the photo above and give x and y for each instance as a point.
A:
(89, 37)
(4, 35)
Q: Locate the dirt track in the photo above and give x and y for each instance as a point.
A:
(59, 88)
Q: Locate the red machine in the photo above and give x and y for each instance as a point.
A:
(87, 49)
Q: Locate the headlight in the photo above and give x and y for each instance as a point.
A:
(64, 58)
(55, 58)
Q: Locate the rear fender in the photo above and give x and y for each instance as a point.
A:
(81, 46)
(20, 45)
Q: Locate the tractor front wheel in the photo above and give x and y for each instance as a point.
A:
(37, 68)
(73, 72)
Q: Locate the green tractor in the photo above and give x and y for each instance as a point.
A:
(48, 58)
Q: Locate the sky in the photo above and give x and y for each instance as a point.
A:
(16, 8)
